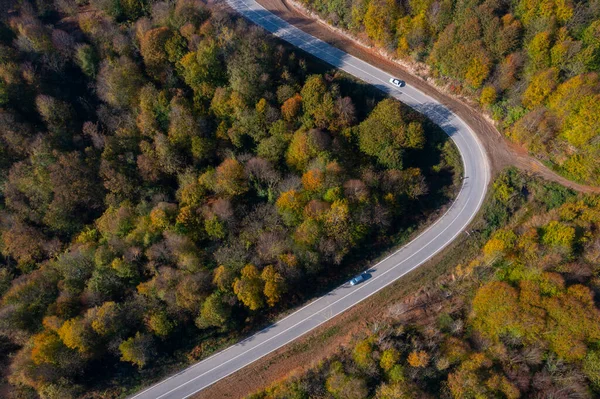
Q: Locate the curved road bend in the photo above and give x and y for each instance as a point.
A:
(476, 169)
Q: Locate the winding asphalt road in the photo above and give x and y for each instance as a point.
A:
(426, 245)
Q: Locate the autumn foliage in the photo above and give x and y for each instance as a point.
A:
(520, 320)
(513, 58)
(170, 177)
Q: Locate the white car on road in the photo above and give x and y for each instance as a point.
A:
(397, 82)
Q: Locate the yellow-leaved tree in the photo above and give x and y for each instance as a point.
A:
(249, 288)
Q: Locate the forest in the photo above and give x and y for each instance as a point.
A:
(172, 178)
(527, 322)
(531, 64)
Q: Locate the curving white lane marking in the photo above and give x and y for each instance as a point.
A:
(426, 245)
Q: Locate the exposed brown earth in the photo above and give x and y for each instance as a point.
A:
(501, 152)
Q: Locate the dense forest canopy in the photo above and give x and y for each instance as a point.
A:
(533, 64)
(527, 323)
(171, 177)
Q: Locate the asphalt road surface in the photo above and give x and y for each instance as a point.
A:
(426, 245)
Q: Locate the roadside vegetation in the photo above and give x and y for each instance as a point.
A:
(520, 320)
(172, 178)
(532, 64)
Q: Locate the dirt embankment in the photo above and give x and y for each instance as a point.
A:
(502, 153)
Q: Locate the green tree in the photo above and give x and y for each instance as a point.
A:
(203, 66)
(389, 358)
(160, 323)
(214, 312)
(557, 234)
(176, 47)
(88, 60)
(538, 51)
(583, 124)
(249, 68)
(362, 353)
(385, 134)
(591, 368)
(396, 373)
(124, 268)
(312, 94)
(215, 228)
(136, 349)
